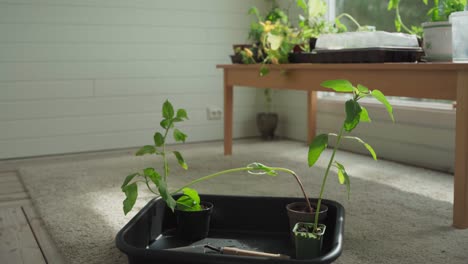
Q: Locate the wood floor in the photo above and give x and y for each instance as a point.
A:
(23, 238)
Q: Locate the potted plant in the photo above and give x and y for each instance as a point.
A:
(251, 53)
(312, 234)
(192, 215)
(437, 32)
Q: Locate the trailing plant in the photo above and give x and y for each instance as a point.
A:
(274, 36)
(355, 113)
(156, 180)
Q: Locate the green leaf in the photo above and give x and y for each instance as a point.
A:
(353, 115)
(316, 148)
(381, 98)
(264, 70)
(368, 147)
(371, 150)
(167, 123)
(168, 110)
(274, 41)
(189, 201)
(364, 116)
(362, 89)
(131, 194)
(146, 150)
(179, 136)
(182, 114)
(393, 4)
(158, 139)
(338, 85)
(158, 180)
(180, 159)
(343, 177)
(303, 5)
(128, 179)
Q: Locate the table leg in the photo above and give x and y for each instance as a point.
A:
(460, 201)
(228, 108)
(311, 115)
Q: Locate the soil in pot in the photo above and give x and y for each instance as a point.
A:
(267, 123)
(194, 225)
(298, 212)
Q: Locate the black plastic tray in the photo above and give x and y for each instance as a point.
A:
(364, 55)
(252, 223)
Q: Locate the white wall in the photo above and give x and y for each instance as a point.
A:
(82, 75)
(420, 136)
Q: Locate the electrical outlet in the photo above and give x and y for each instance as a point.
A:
(214, 113)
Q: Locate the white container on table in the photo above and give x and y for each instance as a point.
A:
(459, 22)
(438, 40)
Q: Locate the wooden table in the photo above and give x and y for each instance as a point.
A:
(446, 81)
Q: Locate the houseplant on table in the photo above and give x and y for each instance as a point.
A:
(312, 233)
(437, 32)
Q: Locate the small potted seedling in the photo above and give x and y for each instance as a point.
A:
(309, 236)
(192, 215)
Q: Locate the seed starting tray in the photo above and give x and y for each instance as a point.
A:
(245, 222)
(364, 55)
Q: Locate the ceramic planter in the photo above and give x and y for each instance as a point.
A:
(438, 41)
(194, 225)
(267, 123)
(308, 245)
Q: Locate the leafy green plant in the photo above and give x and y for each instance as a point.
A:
(156, 182)
(312, 22)
(355, 113)
(440, 11)
(274, 36)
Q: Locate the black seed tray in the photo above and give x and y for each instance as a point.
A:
(251, 223)
(365, 55)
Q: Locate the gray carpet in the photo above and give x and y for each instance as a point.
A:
(396, 214)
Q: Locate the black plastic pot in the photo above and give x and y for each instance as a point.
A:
(308, 246)
(267, 123)
(194, 225)
(297, 212)
(236, 58)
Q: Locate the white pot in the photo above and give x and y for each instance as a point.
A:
(438, 40)
(459, 22)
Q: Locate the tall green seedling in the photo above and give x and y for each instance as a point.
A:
(355, 113)
(151, 176)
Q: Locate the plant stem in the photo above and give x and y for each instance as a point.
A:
(348, 16)
(398, 17)
(322, 189)
(247, 169)
(166, 165)
(149, 188)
